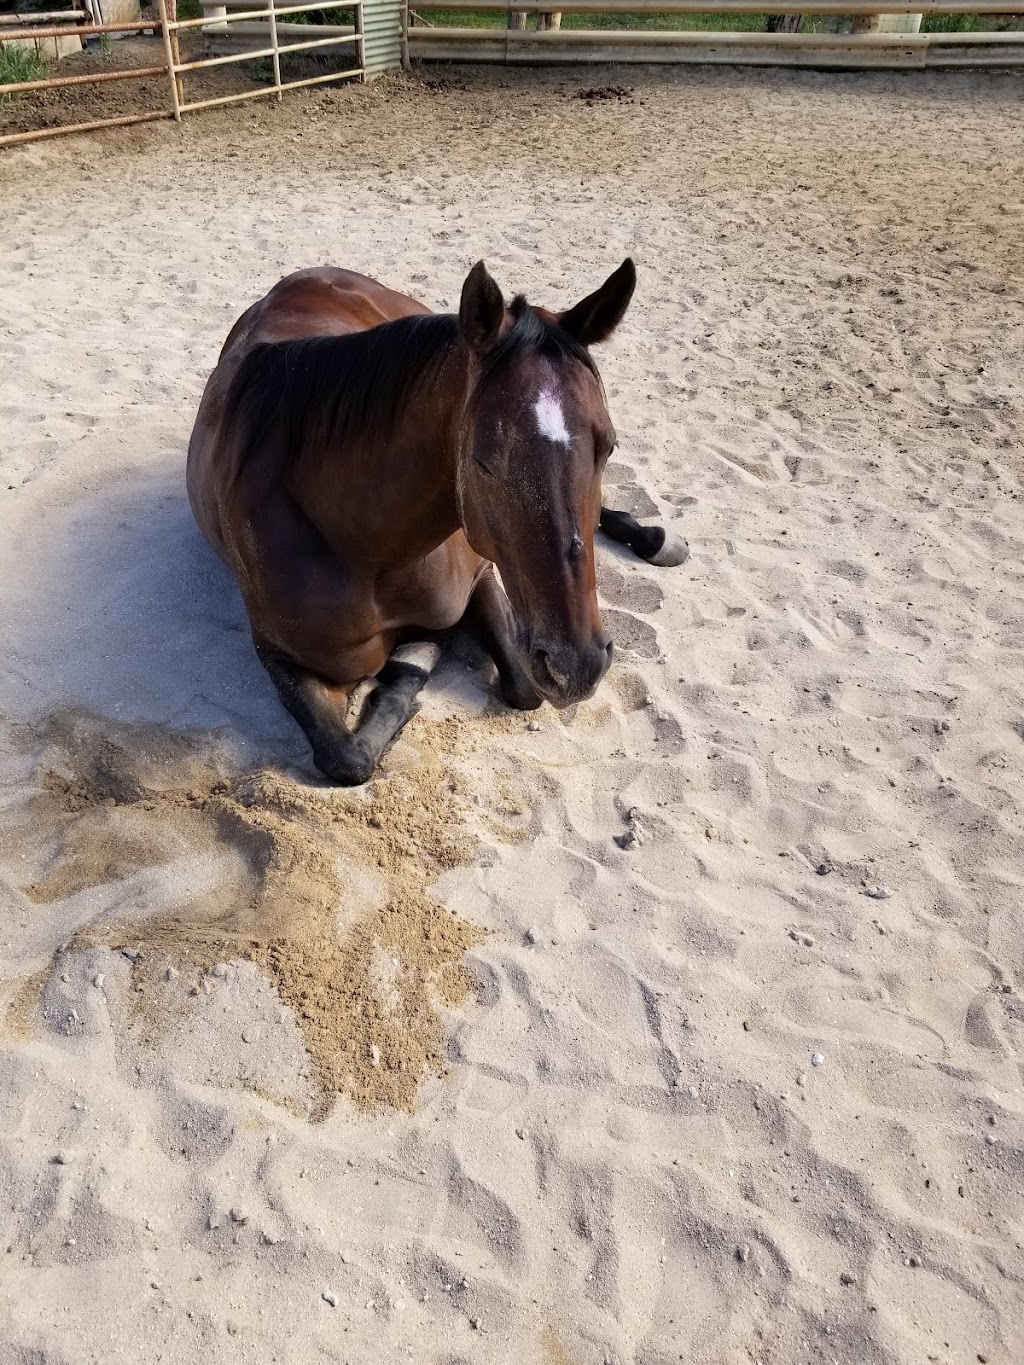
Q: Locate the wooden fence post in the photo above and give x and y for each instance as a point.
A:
(887, 23)
(277, 54)
(172, 75)
(172, 14)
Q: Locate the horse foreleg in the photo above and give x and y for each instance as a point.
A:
(653, 543)
(345, 755)
(489, 617)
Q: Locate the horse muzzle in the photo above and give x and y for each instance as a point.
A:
(564, 674)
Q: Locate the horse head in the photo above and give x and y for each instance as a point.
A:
(534, 439)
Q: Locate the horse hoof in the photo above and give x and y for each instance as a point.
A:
(421, 655)
(351, 767)
(674, 551)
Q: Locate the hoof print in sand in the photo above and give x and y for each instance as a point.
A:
(631, 498)
(632, 593)
(631, 635)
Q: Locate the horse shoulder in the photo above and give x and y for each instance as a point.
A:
(434, 591)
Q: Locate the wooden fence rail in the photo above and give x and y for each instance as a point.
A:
(812, 7)
(820, 51)
(883, 48)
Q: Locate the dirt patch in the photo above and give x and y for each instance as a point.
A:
(619, 94)
(367, 995)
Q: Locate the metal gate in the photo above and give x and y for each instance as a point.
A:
(375, 39)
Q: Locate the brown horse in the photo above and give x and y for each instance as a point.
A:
(362, 465)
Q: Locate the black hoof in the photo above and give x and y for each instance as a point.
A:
(349, 766)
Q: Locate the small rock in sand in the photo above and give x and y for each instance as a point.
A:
(635, 835)
(330, 1297)
(878, 893)
(533, 727)
(847, 1278)
(817, 1059)
(98, 980)
(823, 869)
(743, 1252)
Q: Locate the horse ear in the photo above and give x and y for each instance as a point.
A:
(599, 314)
(481, 309)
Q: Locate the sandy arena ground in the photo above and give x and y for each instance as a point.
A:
(438, 1072)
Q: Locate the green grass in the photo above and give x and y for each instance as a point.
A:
(19, 64)
(956, 23)
(715, 23)
(192, 9)
(318, 16)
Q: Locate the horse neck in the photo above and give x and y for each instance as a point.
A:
(392, 494)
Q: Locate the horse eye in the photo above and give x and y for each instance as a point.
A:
(575, 547)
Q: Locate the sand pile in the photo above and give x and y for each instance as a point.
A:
(363, 984)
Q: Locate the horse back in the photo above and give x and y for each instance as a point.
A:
(322, 301)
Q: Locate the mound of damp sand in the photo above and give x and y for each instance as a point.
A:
(328, 893)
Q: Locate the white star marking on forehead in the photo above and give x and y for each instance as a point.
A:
(550, 418)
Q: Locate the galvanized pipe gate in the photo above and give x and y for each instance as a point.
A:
(376, 38)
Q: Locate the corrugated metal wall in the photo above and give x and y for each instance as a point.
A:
(382, 27)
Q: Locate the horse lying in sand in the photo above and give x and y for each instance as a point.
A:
(362, 465)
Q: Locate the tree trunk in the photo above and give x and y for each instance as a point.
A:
(783, 23)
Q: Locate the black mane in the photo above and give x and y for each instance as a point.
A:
(529, 332)
(319, 389)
